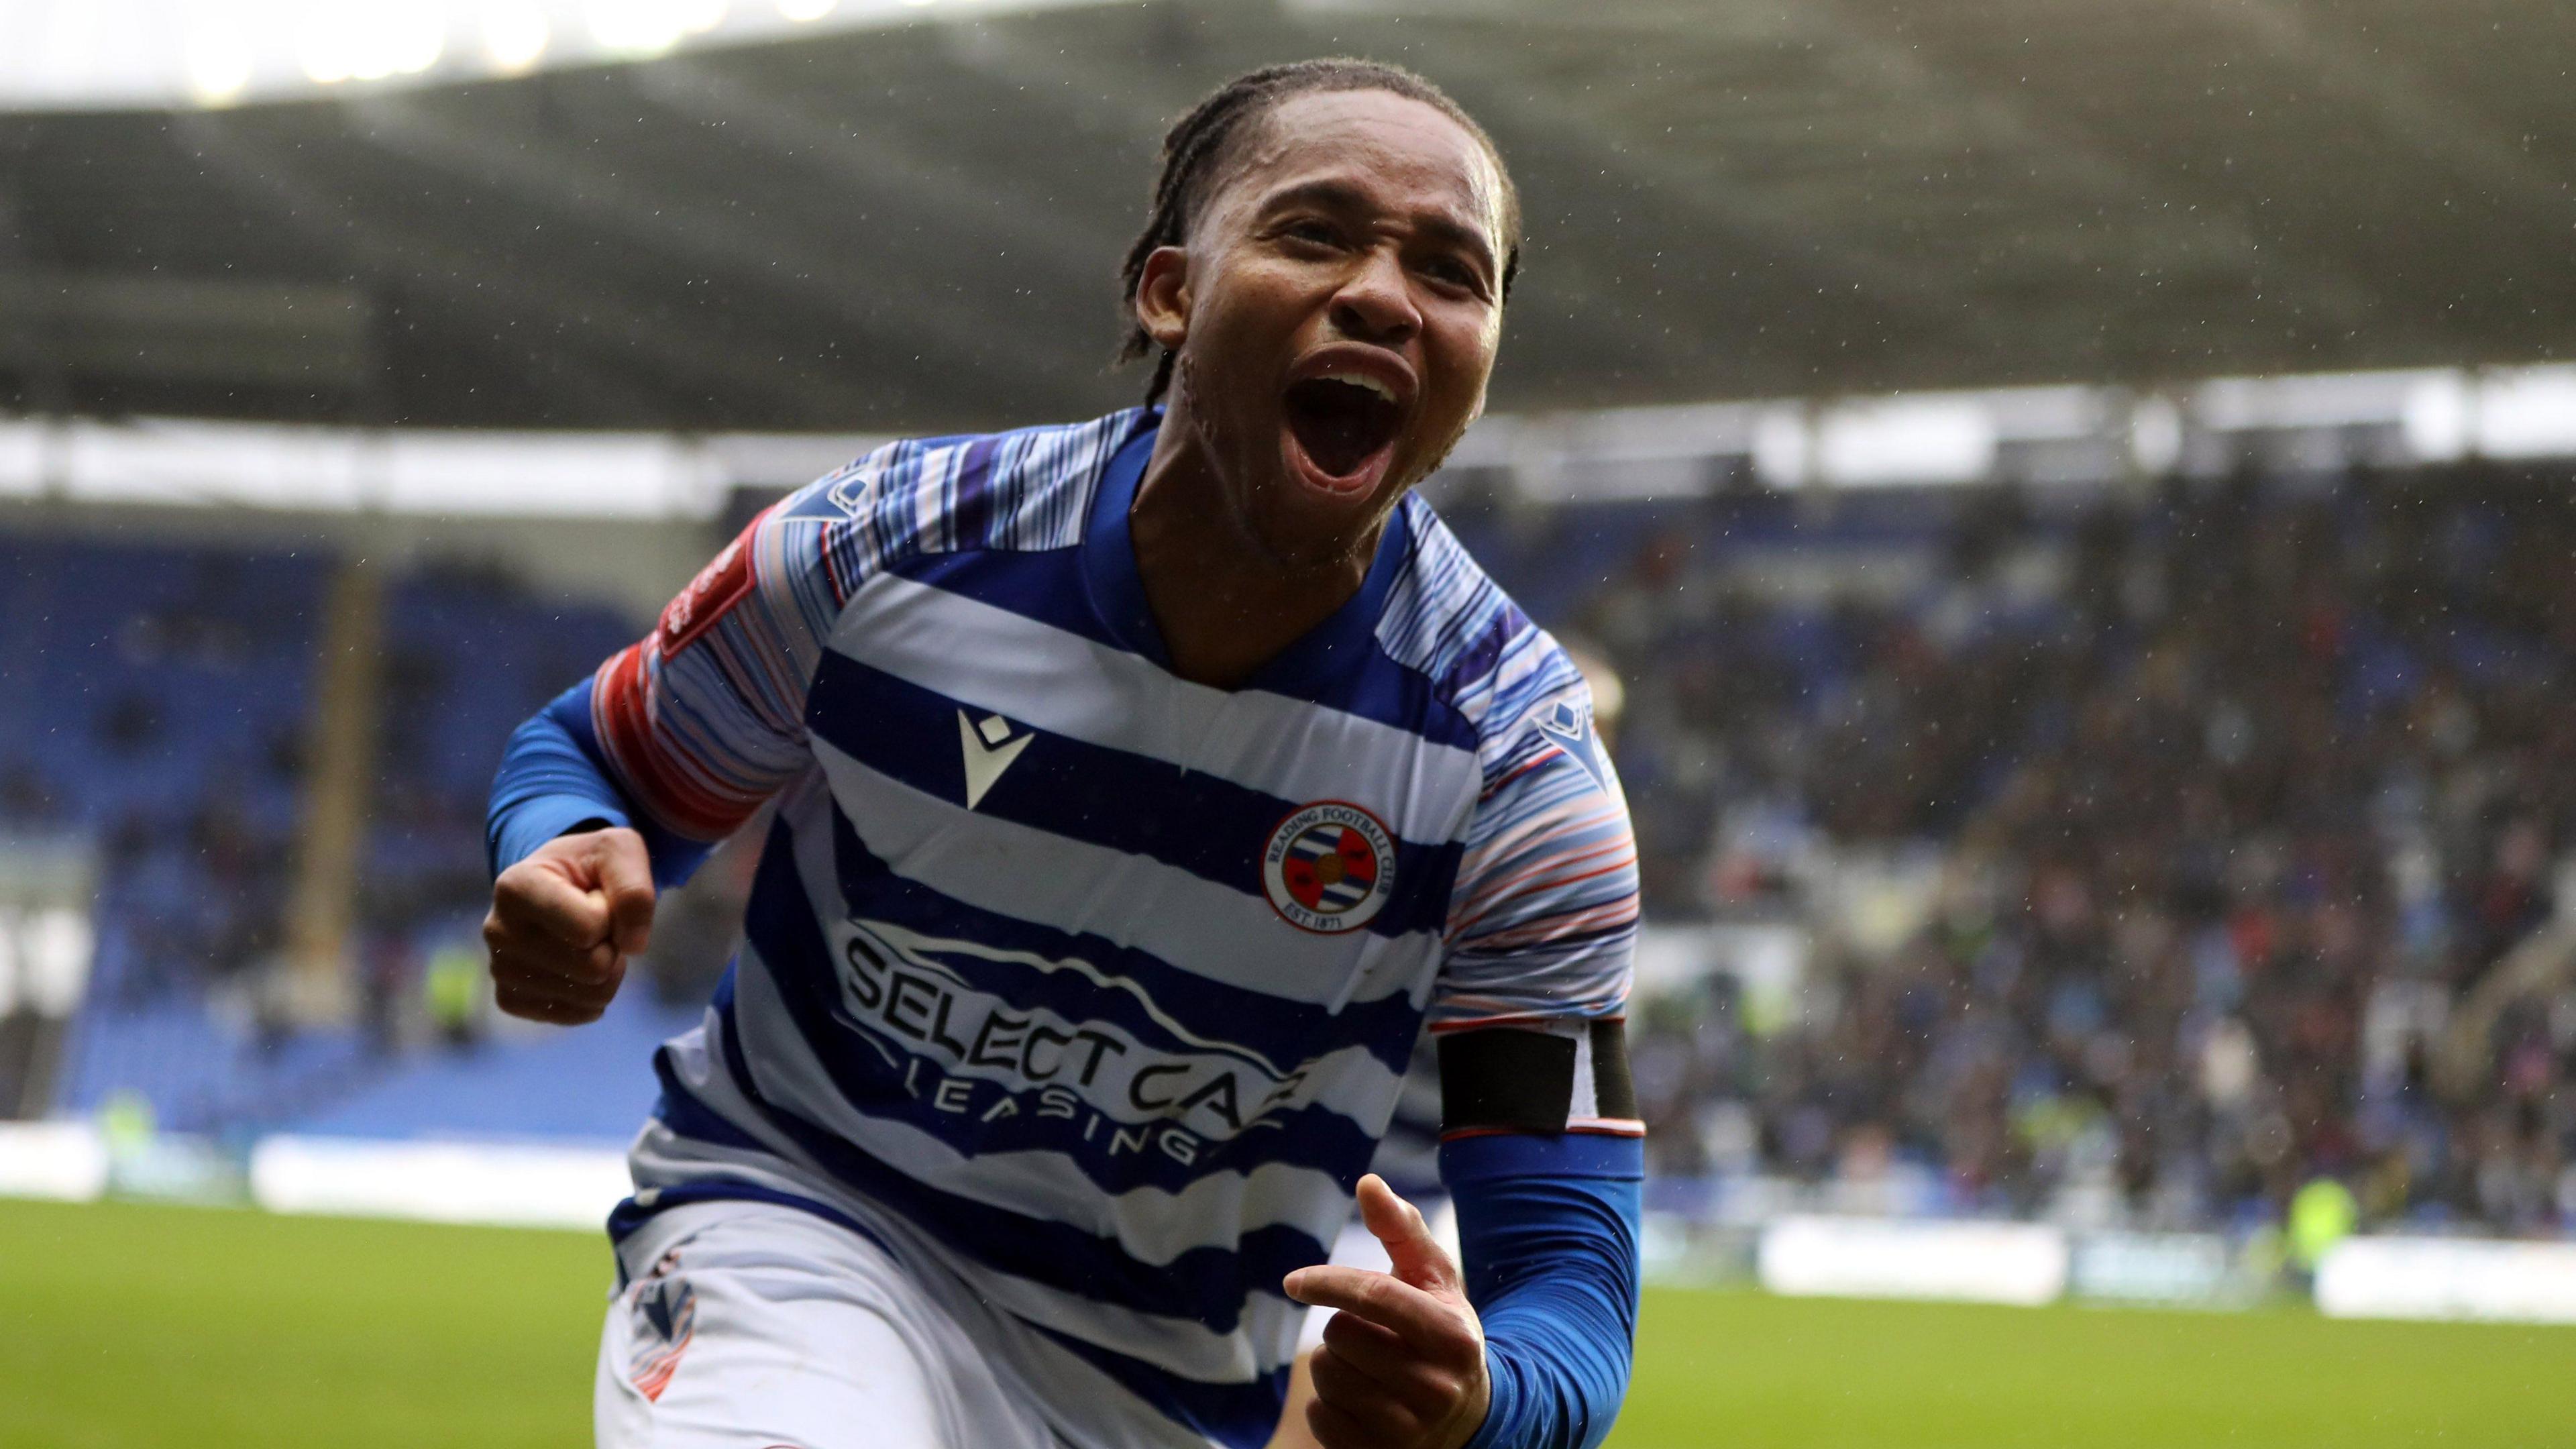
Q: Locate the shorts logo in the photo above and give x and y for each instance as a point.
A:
(665, 1318)
(1329, 868)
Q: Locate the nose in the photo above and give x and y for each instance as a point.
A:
(1375, 305)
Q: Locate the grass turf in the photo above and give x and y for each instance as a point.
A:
(1747, 1369)
(124, 1326)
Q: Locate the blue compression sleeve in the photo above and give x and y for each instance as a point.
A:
(1549, 1225)
(553, 777)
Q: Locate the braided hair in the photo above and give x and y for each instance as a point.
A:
(1196, 145)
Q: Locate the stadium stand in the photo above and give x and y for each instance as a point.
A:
(591, 1084)
(469, 654)
(158, 704)
(154, 706)
(2224, 778)
(2133, 827)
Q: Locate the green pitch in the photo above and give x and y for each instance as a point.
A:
(132, 1326)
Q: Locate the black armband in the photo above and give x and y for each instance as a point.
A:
(1508, 1079)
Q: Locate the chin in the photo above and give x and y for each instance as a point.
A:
(1301, 536)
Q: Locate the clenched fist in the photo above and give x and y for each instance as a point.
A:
(1403, 1362)
(563, 922)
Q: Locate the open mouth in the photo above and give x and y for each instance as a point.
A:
(1345, 429)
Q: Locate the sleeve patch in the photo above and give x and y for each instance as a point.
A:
(717, 588)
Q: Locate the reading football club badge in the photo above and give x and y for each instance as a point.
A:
(1329, 868)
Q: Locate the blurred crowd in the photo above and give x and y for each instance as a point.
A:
(2141, 846)
(2201, 805)
(152, 710)
(159, 712)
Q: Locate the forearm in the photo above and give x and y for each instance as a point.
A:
(1549, 1224)
(553, 777)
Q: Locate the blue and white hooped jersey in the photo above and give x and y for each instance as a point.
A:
(1089, 986)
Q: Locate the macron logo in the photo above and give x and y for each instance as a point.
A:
(990, 749)
(1570, 730)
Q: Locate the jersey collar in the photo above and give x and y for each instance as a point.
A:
(1343, 641)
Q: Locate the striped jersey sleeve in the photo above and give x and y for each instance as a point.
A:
(1542, 922)
(704, 718)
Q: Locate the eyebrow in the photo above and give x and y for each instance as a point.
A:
(1342, 196)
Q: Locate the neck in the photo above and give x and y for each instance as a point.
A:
(1226, 600)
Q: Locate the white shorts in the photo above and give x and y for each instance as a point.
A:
(745, 1325)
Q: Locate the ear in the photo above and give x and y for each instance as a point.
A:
(1163, 297)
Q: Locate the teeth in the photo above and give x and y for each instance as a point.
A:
(1357, 380)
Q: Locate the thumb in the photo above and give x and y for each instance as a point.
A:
(1417, 1256)
(625, 875)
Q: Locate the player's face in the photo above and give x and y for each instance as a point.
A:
(1342, 305)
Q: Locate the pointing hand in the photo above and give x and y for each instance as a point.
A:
(1403, 1361)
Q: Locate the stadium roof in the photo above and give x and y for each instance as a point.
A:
(916, 223)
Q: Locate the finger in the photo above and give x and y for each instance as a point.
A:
(1391, 1419)
(1350, 1334)
(536, 901)
(1375, 1351)
(592, 966)
(1408, 1386)
(554, 988)
(538, 951)
(625, 875)
(581, 993)
(1427, 1383)
(1418, 1257)
(1380, 1298)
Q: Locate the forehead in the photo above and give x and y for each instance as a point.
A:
(1405, 154)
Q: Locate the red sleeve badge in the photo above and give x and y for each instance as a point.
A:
(717, 588)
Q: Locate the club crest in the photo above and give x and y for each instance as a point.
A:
(1329, 868)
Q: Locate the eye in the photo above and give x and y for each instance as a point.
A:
(1452, 272)
(1313, 230)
